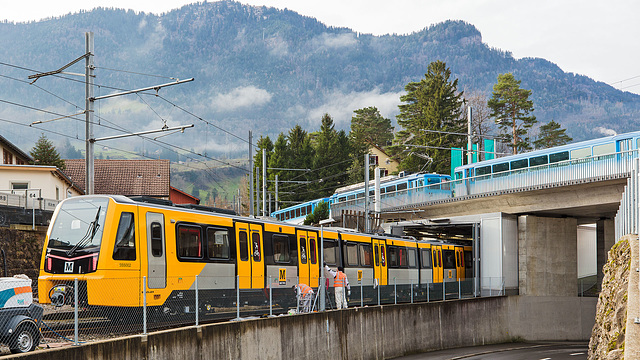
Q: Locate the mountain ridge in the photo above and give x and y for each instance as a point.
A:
(263, 69)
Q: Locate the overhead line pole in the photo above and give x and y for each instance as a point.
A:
(89, 67)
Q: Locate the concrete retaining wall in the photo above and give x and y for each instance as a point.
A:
(361, 333)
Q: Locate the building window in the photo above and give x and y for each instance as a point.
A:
(57, 193)
(19, 186)
(7, 157)
(373, 160)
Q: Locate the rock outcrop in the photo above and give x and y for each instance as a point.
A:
(608, 335)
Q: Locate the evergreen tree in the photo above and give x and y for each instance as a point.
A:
(331, 155)
(551, 135)
(279, 159)
(434, 103)
(44, 153)
(300, 156)
(320, 213)
(368, 128)
(511, 109)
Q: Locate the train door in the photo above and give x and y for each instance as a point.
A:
(256, 258)
(156, 251)
(459, 263)
(303, 257)
(380, 261)
(314, 268)
(436, 252)
(242, 255)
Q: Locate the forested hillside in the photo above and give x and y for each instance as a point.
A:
(266, 70)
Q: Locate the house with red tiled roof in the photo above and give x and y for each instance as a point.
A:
(124, 177)
(150, 178)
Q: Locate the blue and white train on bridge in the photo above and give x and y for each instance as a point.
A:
(598, 159)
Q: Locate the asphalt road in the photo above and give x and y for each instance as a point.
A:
(513, 351)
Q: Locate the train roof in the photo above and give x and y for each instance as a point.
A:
(556, 149)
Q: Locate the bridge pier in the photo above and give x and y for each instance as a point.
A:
(547, 256)
(605, 239)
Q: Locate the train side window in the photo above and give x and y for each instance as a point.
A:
(426, 258)
(468, 260)
(402, 186)
(280, 245)
(366, 255)
(244, 245)
(383, 255)
(309, 210)
(538, 160)
(218, 243)
(297, 212)
(557, 157)
(156, 239)
(125, 246)
(393, 256)
(483, 170)
(458, 175)
(189, 242)
(581, 153)
(500, 167)
(519, 164)
(604, 150)
(402, 257)
(303, 250)
(312, 250)
(411, 258)
(449, 259)
(352, 254)
(330, 252)
(255, 241)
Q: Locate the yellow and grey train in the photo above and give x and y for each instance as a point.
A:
(111, 243)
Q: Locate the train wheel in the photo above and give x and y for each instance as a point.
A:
(25, 338)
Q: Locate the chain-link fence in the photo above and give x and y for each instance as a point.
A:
(82, 311)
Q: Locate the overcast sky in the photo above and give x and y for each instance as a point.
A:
(590, 37)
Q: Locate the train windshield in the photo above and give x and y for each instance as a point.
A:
(79, 224)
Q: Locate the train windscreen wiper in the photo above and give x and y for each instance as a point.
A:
(88, 237)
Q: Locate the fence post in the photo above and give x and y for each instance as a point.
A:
(197, 305)
(361, 295)
(238, 297)
(444, 290)
(379, 293)
(459, 290)
(427, 292)
(395, 292)
(270, 298)
(490, 287)
(75, 311)
(144, 304)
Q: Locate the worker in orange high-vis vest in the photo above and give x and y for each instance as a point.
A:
(304, 294)
(340, 282)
